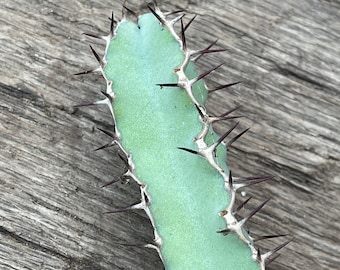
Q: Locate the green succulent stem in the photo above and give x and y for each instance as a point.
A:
(157, 101)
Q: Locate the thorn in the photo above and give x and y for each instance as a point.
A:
(280, 246)
(201, 53)
(131, 11)
(199, 111)
(111, 182)
(84, 105)
(236, 137)
(106, 146)
(230, 111)
(156, 15)
(124, 179)
(131, 207)
(92, 35)
(167, 85)
(264, 237)
(112, 24)
(112, 135)
(146, 199)
(272, 259)
(175, 20)
(107, 96)
(189, 150)
(225, 117)
(175, 12)
(205, 51)
(271, 252)
(188, 24)
(118, 210)
(224, 231)
(123, 11)
(98, 102)
(124, 159)
(225, 135)
(212, 44)
(84, 72)
(131, 244)
(258, 254)
(248, 181)
(252, 213)
(223, 86)
(97, 56)
(230, 180)
(140, 245)
(217, 119)
(112, 143)
(201, 76)
(242, 205)
(184, 43)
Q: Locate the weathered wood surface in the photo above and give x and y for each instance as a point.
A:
(286, 53)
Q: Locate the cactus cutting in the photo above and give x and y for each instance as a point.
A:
(166, 138)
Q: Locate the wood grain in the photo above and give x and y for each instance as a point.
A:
(286, 53)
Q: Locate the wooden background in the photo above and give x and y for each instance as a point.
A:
(286, 53)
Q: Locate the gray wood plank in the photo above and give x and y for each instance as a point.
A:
(286, 53)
